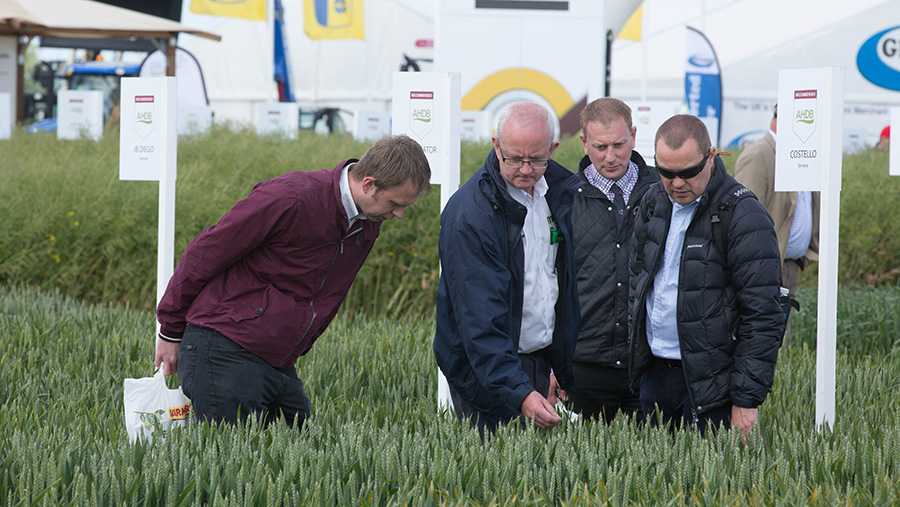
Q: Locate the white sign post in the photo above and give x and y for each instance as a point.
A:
(6, 119)
(372, 125)
(476, 126)
(80, 113)
(647, 117)
(278, 118)
(810, 109)
(426, 107)
(9, 60)
(148, 151)
(194, 119)
(894, 146)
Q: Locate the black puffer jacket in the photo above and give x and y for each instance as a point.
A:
(602, 250)
(729, 321)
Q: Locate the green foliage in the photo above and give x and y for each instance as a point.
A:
(870, 221)
(867, 320)
(376, 436)
(69, 223)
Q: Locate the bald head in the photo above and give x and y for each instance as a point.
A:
(527, 115)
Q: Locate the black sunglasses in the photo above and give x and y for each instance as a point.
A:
(685, 174)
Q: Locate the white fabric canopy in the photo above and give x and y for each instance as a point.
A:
(84, 18)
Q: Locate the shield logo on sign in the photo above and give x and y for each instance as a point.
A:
(143, 115)
(421, 113)
(804, 120)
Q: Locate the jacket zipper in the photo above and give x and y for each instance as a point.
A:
(312, 300)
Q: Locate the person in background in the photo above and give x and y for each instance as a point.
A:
(254, 291)
(614, 177)
(884, 141)
(796, 214)
(507, 308)
(706, 322)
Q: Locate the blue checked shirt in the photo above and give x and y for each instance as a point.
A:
(604, 184)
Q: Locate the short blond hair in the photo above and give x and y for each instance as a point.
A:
(605, 110)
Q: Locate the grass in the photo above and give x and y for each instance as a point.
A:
(70, 224)
(376, 436)
(77, 282)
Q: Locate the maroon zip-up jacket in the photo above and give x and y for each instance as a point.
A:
(272, 273)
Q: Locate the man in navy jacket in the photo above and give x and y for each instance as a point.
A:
(507, 308)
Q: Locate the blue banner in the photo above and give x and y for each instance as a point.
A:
(703, 82)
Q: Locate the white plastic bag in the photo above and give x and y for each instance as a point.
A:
(149, 401)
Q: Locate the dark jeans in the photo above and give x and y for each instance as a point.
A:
(535, 365)
(227, 383)
(601, 391)
(665, 387)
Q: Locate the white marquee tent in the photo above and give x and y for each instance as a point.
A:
(753, 40)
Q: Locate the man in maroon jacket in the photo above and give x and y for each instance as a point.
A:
(253, 292)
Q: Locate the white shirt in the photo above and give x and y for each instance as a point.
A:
(801, 227)
(541, 287)
(353, 213)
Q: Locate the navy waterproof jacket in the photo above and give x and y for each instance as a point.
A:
(479, 302)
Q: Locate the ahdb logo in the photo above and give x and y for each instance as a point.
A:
(878, 59)
(334, 13)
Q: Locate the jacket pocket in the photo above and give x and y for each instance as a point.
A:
(255, 306)
(269, 302)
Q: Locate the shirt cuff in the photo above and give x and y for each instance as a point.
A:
(168, 339)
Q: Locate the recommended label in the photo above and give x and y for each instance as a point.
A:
(426, 107)
(804, 121)
(421, 113)
(79, 114)
(279, 119)
(148, 128)
(809, 129)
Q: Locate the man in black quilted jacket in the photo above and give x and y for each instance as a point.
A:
(613, 178)
(706, 323)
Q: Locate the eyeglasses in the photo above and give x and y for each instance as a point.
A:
(515, 163)
(685, 174)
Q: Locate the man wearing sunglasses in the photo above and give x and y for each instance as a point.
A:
(614, 177)
(506, 307)
(706, 325)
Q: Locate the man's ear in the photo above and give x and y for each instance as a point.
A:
(554, 146)
(367, 184)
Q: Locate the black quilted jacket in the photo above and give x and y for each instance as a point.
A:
(729, 322)
(602, 250)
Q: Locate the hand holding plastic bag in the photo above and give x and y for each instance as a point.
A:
(149, 403)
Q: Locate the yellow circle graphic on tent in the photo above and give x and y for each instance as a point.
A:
(518, 79)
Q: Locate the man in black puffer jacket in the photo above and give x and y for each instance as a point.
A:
(705, 325)
(601, 233)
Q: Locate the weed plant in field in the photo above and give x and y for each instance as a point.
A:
(376, 436)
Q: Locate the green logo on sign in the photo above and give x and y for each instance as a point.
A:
(806, 116)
